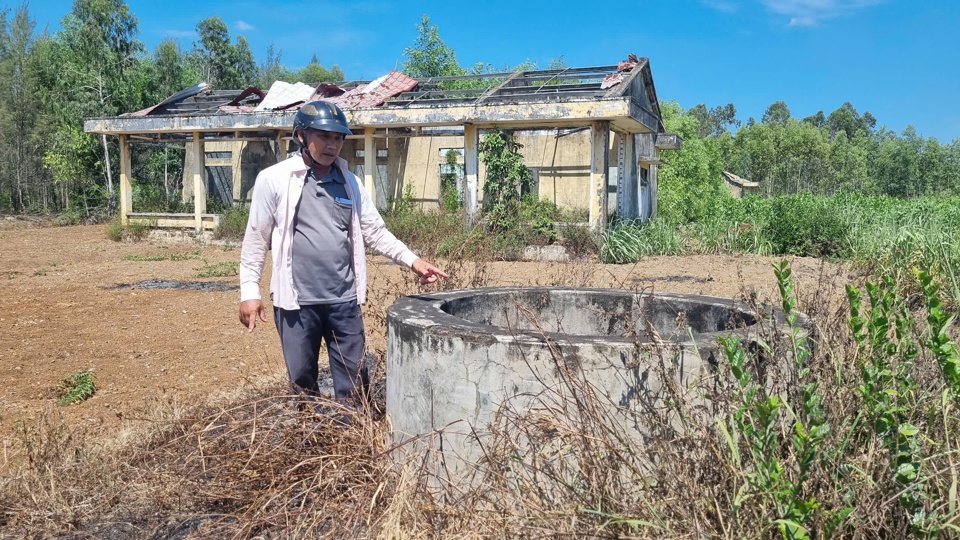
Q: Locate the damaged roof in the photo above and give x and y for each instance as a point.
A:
(623, 94)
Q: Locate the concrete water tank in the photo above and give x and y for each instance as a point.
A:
(454, 357)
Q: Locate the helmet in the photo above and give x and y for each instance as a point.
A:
(322, 115)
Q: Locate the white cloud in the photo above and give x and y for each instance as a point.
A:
(243, 26)
(812, 12)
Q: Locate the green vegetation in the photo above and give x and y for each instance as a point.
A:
(882, 234)
(852, 435)
(233, 224)
(220, 269)
(77, 387)
(511, 218)
(172, 256)
(133, 231)
(843, 428)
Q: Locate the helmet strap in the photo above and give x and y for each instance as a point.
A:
(301, 140)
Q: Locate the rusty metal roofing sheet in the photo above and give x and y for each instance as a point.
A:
(374, 93)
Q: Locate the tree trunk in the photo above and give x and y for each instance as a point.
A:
(106, 155)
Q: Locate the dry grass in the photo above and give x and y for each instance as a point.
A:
(256, 466)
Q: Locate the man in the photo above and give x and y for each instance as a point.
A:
(313, 214)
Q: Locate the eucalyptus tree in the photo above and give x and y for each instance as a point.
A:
(95, 67)
(169, 71)
(220, 63)
(22, 184)
(690, 180)
(714, 121)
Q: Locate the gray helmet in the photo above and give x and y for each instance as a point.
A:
(322, 115)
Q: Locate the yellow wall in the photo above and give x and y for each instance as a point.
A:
(560, 157)
(563, 164)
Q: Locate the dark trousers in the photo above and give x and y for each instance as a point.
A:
(340, 326)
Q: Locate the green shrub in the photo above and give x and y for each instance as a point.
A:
(232, 224)
(580, 241)
(133, 231)
(538, 218)
(806, 225)
(630, 241)
(77, 387)
(220, 269)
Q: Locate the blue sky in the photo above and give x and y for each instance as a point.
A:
(898, 59)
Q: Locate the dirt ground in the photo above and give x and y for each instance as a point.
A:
(70, 300)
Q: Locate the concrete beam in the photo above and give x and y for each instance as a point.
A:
(622, 112)
(164, 220)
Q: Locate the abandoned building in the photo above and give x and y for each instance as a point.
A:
(739, 187)
(591, 136)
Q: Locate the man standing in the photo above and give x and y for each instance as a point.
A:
(311, 211)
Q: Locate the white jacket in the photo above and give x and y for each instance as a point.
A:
(270, 227)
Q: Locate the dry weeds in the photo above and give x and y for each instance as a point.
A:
(256, 466)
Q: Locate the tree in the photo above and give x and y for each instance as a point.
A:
(506, 178)
(817, 120)
(21, 108)
(272, 70)
(776, 113)
(220, 63)
(171, 71)
(689, 179)
(714, 121)
(315, 73)
(430, 56)
(847, 119)
(93, 66)
(848, 165)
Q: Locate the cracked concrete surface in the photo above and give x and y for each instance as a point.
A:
(454, 357)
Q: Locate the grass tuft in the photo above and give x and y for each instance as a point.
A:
(220, 269)
(77, 387)
(133, 231)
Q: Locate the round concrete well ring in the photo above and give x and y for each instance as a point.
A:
(454, 357)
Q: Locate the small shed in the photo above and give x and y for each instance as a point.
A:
(740, 187)
(591, 132)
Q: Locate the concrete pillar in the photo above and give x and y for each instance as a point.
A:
(652, 178)
(279, 149)
(199, 183)
(628, 188)
(599, 167)
(370, 163)
(471, 165)
(236, 168)
(126, 189)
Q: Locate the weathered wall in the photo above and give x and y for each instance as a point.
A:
(415, 161)
(235, 167)
(560, 159)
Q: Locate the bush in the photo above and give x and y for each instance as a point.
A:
(539, 216)
(233, 224)
(579, 241)
(806, 225)
(77, 387)
(630, 241)
(133, 231)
